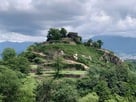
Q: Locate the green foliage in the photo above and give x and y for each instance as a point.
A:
(75, 66)
(23, 65)
(58, 66)
(109, 81)
(68, 49)
(63, 32)
(91, 97)
(43, 91)
(100, 43)
(102, 90)
(54, 34)
(122, 73)
(95, 44)
(104, 82)
(83, 60)
(57, 91)
(1, 97)
(8, 53)
(89, 42)
(9, 84)
(131, 65)
(85, 85)
(27, 90)
(39, 70)
(117, 98)
(30, 56)
(19, 64)
(38, 60)
(78, 40)
(64, 92)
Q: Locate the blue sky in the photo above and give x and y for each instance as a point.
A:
(29, 20)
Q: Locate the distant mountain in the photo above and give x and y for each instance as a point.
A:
(125, 47)
(19, 47)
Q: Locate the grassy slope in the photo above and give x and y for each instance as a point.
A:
(70, 50)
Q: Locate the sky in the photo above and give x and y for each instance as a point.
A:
(29, 20)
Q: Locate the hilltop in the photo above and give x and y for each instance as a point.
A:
(65, 69)
(75, 55)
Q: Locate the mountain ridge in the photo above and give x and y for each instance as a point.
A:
(124, 47)
(18, 46)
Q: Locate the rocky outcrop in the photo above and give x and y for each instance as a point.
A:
(108, 57)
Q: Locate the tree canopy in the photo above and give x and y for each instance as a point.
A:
(9, 84)
(8, 53)
(96, 44)
(56, 34)
(63, 32)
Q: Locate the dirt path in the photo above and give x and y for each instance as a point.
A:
(65, 61)
(74, 62)
(40, 54)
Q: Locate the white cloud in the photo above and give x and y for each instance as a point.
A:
(16, 5)
(16, 37)
(127, 23)
(29, 18)
(100, 17)
(4, 6)
(125, 56)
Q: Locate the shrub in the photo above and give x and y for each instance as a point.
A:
(38, 60)
(8, 53)
(39, 70)
(83, 60)
(64, 93)
(86, 85)
(9, 85)
(91, 97)
(57, 91)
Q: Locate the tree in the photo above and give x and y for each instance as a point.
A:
(43, 91)
(9, 84)
(86, 85)
(93, 97)
(64, 92)
(54, 34)
(19, 64)
(29, 55)
(8, 53)
(1, 97)
(89, 42)
(57, 91)
(96, 44)
(58, 66)
(23, 64)
(102, 90)
(39, 70)
(100, 43)
(63, 32)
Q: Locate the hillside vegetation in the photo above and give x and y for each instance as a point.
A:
(64, 69)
